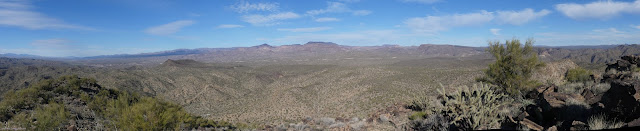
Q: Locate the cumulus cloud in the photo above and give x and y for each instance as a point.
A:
(245, 7)
(421, 1)
(519, 17)
(326, 19)
(230, 26)
(311, 29)
(266, 20)
(169, 28)
(337, 7)
(20, 14)
(635, 26)
(598, 9)
(432, 24)
(495, 31)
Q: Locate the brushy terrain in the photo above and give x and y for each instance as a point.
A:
(275, 93)
(73, 103)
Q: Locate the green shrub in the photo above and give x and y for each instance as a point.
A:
(151, 114)
(418, 115)
(578, 75)
(51, 117)
(117, 110)
(513, 66)
(572, 88)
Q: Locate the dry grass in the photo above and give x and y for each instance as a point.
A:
(600, 122)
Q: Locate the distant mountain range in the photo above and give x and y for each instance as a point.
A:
(329, 50)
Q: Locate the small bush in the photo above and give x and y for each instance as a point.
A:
(571, 88)
(578, 75)
(435, 122)
(513, 67)
(418, 115)
(51, 117)
(600, 88)
(600, 122)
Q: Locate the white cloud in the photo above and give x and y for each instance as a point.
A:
(51, 43)
(230, 26)
(495, 31)
(337, 7)
(594, 37)
(598, 9)
(433, 24)
(326, 19)
(361, 12)
(635, 26)
(19, 14)
(609, 30)
(350, 1)
(311, 29)
(169, 28)
(266, 20)
(519, 17)
(421, 1)
(245, 7)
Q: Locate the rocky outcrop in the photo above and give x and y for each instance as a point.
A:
(621, 101)
(623, 98)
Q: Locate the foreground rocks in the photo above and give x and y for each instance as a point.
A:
(555, 110)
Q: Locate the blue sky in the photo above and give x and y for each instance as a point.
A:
(102, 27)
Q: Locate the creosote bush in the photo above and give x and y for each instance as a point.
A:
(578, 75)
(513, 66)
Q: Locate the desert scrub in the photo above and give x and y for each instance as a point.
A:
(473, 108)
(578, 74)
(52, 116)
(572, 88)
(600, 88)
(600, 122)
(43, 106)
(513, 67)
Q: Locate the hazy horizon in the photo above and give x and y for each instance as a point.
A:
(100, 27)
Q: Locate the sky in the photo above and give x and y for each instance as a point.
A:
(60, 28)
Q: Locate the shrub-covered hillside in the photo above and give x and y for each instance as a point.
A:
(74, 103)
